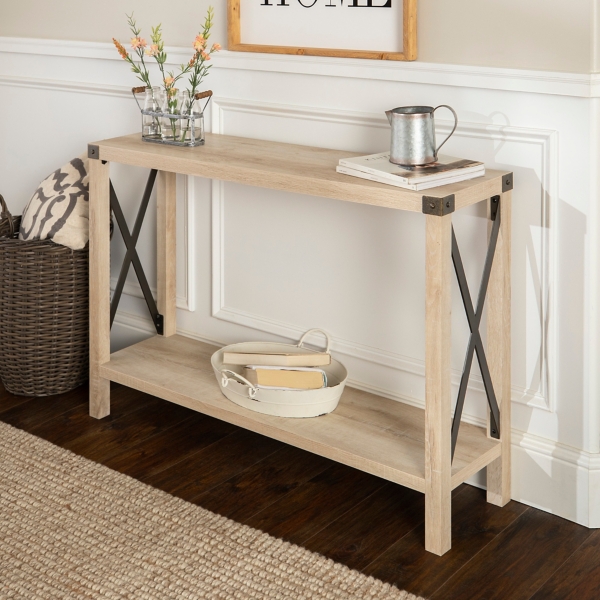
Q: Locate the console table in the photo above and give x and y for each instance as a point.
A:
(421, 449)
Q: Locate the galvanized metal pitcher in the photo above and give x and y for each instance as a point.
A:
(413, 134)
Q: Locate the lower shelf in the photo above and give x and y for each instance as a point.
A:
(368, 432)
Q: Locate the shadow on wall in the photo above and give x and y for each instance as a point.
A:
(546, 475)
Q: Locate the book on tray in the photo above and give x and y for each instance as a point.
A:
(278, 359)
(290, 378)
(377, 167)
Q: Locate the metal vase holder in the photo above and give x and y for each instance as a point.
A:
(187, 129)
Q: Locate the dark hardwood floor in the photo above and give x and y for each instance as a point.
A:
(510, 553)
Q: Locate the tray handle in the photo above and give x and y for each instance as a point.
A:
(327, 338)
(226, 373)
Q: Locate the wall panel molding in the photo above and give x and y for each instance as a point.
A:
(62, 85)
(581, 85)
(188, 299)
(545, 140)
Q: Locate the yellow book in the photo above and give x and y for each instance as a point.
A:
(286, 378)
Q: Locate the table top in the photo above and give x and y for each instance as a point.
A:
(287, 167)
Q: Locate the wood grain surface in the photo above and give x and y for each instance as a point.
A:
(474, 525)
(99, 205)
(579, 577)
(499, 352)
(312, 506)
(509, 567)
(438, 310)
(374, 434)
(166, 250)
(264, 483)
(286, 167)
(213, 465)
(381, 519)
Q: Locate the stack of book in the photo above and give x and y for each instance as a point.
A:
(377, 167)
(283, 371)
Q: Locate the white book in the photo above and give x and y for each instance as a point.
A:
(380, 165)
(278, 359)
(417, 187)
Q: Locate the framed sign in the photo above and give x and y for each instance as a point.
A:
(377, 29)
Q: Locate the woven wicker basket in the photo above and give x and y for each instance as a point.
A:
(44, 348)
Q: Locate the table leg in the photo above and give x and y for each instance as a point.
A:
(438, 306)
(99, 205)
(166, 250)
(498, 343)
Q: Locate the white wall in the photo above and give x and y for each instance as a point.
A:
(258, 264)
(553, 35)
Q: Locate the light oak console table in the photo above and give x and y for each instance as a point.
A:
(420, 449)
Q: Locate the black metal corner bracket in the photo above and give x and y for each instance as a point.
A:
(131, 257)
(474, 319)
(507, 182)
(439, 207)
(93, 151)
(494, 207)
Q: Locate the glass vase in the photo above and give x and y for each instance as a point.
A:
(191, 130)
(151, 126)
(171, 106)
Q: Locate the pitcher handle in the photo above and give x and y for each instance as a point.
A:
(453, 129)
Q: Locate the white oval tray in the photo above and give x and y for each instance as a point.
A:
(280, 403)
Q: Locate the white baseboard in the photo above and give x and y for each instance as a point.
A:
(552, 477)
(135, 291)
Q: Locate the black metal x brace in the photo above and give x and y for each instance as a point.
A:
(474, 319)
(131, 256)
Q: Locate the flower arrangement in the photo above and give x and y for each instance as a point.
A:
(196, 69)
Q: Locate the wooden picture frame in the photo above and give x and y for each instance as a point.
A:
(409, 41)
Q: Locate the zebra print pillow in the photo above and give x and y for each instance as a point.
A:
(59, 209)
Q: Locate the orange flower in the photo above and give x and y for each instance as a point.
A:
(205, 55)
(138, 42)
(199, 43)
(169, 82)
(192, 61)
(120, 48)
(215, 47)
(152, 50)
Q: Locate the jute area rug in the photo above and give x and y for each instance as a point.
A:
(71, 528)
